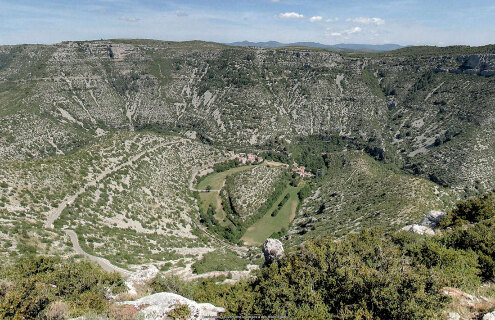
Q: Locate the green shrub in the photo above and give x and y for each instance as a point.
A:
(172, 284)
(226, 165)
(452, 267)
(471, 210)
(180, 312)
(304, 192)
(364, 276)
(480, 239)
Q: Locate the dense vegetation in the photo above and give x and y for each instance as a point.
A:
(226, 165)
(473, 224)
(306, 151)
(37, 286)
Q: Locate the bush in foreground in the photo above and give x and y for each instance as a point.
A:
(39, 287)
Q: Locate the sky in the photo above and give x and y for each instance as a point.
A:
(405, 22)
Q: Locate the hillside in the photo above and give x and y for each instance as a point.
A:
(125, 186)
(106, 139)
(413, 110)
(359, 192)
(365, 275)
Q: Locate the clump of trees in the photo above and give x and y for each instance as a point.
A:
(473, 228)
(471, 211)
(226, 165)
(304, 192)
(280, 205)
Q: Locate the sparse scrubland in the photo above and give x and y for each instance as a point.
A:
(124, 150)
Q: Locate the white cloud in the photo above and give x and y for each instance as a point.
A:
(290, 15)
(315, 18)
(364, 20)
(353, 30)
(275, 1)
(343, 32)
(332, 20)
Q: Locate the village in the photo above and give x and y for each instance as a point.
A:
(301, 171)
(249, 158)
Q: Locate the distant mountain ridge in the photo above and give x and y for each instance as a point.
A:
(341, 46)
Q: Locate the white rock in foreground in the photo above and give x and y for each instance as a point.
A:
(489, 316)
(416, 228)
(426, 225)
(272, 250)
(158, 305)
(454, 316)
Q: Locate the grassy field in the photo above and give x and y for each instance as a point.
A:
(266, 226)
(261, 229)
(216, 181)
(219, 260)
(213, 197)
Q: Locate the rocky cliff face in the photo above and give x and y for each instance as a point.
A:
(397, 106)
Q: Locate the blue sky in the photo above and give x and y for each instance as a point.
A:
(406, 22)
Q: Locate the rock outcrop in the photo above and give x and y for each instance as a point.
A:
(416, 228)
(427, 224)
(273, 250)
(483, 65)
(159, 305)
(141, 277)
(432, 219)
(468, 306)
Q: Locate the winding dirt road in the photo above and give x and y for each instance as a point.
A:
(104, 263)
